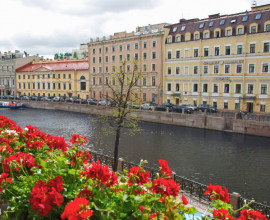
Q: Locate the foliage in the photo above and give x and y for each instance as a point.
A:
(43, 178)
(56, 55)
(75, 55)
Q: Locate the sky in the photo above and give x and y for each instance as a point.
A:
(46, 27)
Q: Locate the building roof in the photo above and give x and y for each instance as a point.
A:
(55, 66)
(215, 21)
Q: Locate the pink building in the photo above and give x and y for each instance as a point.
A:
(145, 46)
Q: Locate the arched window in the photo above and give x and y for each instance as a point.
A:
(82, 83)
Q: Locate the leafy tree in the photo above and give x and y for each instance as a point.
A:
(56, 55)
(75, 55)
(124, 93)
(61, 56)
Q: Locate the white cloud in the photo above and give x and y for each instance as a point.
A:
(47, 27)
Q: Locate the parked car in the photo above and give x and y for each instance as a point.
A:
(33, 98)
(164, 106)
(104, 102)
(182, 109)
(25, 97)
(191, 107)
(56, 99)
(208, 108)
(78, 100)
(148, 105)
(46, 99)
(134, 105)
(91, 101)
(39, 98)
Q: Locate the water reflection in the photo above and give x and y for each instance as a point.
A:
(239, 162)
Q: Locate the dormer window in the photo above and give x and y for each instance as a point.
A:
(211, 24)
(201, 25)
(258, 16)
(222, 22)
(183, 28)
(174, 29)
(245, 18)
(233, 21)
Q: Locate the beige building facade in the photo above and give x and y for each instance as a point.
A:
(223, 61)
(54, 78)
(143, 47)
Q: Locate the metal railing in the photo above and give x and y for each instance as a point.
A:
(190, 187)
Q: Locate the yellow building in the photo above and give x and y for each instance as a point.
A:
(54, 78)
(221, 60)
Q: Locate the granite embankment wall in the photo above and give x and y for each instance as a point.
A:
(202, 120)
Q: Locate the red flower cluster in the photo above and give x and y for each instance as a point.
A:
(184, 200)
(83, 155)
(57, 143)
(77, 139)
(4, 178)
(222, 214)
(85, 193)
(216, 192)
(101, 173)
(137, 175)
(6, 149)
(44, 196)
(166, 187)
(6, 123)
(251, 215)
(77, 210)
(21, 159)
(165, 169)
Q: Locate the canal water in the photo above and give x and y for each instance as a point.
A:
(239, 162)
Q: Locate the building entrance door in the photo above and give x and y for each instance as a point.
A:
(250, 107)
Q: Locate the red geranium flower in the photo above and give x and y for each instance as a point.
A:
(184, 200)
(77, 209)
(138, 175)
(216, 192)
(4, 178)
(251, 215)
(221, 214)
(85, 193)
(77, 139)
(166, 187)
(164, 168)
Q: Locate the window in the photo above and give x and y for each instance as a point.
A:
(94, 69)
(206, 52)
(266, 47)
(177, 54)
(94, 80)
(252, 48)
(99, 50)
(211, 23)
(227, 68)
(136, 45)
(59, 76)
(206, 35)
(240, 31)
(183, 28)
(144, 56)
(239, 49)
(177, 70)
(94, 59)
(144, 96)
(262, 108)
(195, 87)
(144, 80)
(69, 76)
(222, 22)
(253, 29)
(53, 76)
(238, 88)
(128, 68)
(196, 52)
(94, 51)
(128, 46)
(136, 56)
(196, 37)
(251, 68)
(169, 87)
(154, 55)
(100, 80)
(128, 57)
(106, 49)
(229, 33)
(239, 68)
(153, 67)
(215, 88)
(216, 68)
(226, 88)
(169, 70)
(250, 89)
(263, 89)
(99, 59)
(120, 48)
(177, 87)
(178, 39)
(154, 43)
(64, 86)
(195, 69)
(205, 87)
(100, 69)
(201, 25)
(144, 67)
(144, 44)
(265, 68)
(59, 85)
(174, 29)
(228, 50)
(205, 69)
(245, 18)
(267, 27)
(107, 80)
(226, 105)
(258, 16)
(169, 54)
(113, 48)
(217, 34)
(153, 80)
(106, 59)
(113, 58)
(216, 51)
(120, 57)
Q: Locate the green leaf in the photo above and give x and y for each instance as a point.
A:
(123, 215)
(71, 171)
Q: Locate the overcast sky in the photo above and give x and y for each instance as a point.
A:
(46, 27)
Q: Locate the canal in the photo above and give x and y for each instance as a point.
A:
(239, 162)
